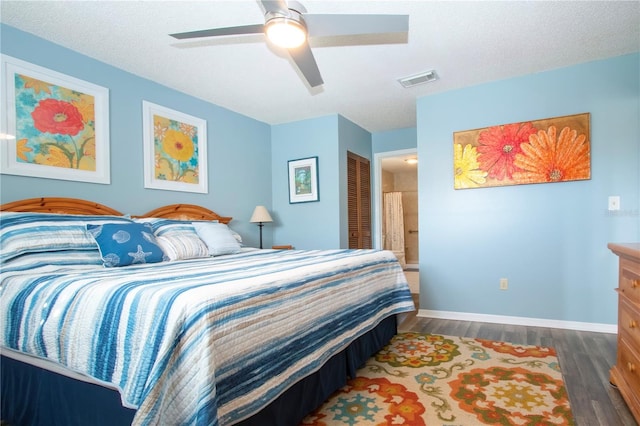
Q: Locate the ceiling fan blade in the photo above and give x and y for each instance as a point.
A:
(320, 25)
(303, 57)
(276, 6)
(244, 29)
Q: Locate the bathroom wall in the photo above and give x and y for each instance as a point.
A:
(407, 183)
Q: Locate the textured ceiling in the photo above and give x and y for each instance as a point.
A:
(467, 43)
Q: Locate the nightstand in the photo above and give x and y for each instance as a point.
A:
(285, 247)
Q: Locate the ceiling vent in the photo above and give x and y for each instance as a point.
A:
(413, 80)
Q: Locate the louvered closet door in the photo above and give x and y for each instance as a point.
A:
(359, 200)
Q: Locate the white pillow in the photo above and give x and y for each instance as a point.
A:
(237, 236)
(217, 237)
(185, 246)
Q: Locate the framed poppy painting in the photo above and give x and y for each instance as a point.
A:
(175, 150)
(54, 126)
(541, 151)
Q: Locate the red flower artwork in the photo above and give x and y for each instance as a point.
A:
(523, 153)
(54, 116)
(498, 146)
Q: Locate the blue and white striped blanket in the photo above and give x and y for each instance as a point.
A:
(203, 341)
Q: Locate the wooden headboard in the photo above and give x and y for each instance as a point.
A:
(186, 212)
(59, 205)
(63, 205)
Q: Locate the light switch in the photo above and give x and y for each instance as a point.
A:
(614, 202)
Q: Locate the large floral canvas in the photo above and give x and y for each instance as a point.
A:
(541, 151)
(56, 126)
(175, 150)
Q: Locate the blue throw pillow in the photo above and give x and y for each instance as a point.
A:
(123, 244)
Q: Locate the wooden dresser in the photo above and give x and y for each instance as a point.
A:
(626, 373)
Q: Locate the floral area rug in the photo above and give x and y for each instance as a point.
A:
(429, 379)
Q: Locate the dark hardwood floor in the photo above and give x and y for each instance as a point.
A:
(585, 359)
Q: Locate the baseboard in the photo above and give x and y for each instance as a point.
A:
(534, 322)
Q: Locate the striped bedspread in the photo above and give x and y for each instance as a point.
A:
(203, 341)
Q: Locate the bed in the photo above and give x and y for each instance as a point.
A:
(231, 336)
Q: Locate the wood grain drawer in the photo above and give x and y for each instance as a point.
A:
(629, 323)
(630, 264)
(630, 280)
(629, 364)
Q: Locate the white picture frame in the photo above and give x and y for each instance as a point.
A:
(53, 126)
(168, 165)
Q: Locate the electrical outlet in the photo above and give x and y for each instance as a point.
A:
(614, 202)
(504, 284)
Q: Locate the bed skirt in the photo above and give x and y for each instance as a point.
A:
(33, 396)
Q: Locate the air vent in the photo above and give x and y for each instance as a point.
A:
(413, 80)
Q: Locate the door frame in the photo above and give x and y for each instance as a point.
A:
(377, 196)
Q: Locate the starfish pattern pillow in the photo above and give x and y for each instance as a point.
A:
(123, 244)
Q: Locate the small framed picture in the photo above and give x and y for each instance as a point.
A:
(175, 150)
(303, 180)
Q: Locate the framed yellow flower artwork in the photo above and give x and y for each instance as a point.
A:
(175, 150)
(540, 151)
(54, 126)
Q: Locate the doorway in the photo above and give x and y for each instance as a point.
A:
(396, 173)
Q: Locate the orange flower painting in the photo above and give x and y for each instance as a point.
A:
(541, 151)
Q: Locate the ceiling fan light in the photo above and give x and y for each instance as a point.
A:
(285, 32)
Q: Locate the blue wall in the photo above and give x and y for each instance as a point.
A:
(239, 176)
(322, 224)
(312, 225)
(394, 140)
(549, 240)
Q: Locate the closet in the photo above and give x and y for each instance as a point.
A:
(359, 201)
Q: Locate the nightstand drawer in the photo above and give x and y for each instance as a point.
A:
(630, 280)
(629, 323)
(629, 364)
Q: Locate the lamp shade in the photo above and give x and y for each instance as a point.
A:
(260, 214)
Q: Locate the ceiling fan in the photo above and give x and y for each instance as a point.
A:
(289, 25)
